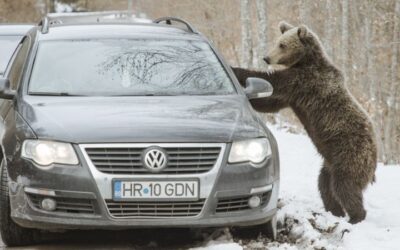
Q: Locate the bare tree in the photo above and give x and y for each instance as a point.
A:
(41, 5)
(390, 144)
(329, 28)
(262, 32)
(130, 7)
(51, 6)
(369, 56)
(345, 38)
(370, 76)
(304, 11)
(247, 41)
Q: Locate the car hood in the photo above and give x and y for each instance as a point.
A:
(141, 119)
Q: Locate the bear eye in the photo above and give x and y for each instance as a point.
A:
(282, 46)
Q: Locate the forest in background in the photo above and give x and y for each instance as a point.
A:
(361, 36)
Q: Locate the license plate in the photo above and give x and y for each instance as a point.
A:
(155, 190)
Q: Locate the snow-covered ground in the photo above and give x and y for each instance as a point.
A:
(303, 222)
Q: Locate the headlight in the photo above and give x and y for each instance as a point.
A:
(48, 152)
(254, 150)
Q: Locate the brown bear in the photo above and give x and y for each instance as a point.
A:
(304, 79)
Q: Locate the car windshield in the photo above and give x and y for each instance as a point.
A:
(8, 44)
(136, 67)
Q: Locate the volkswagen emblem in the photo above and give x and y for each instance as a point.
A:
(154, 159)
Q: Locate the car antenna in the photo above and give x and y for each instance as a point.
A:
(168, 21)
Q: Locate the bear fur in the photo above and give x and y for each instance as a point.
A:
(304, 79)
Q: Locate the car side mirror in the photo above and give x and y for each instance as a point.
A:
(5, 91)
(258, 88)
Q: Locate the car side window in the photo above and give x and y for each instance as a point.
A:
(16, 70)
(8, 45)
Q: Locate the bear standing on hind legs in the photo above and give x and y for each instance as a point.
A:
(305, 80)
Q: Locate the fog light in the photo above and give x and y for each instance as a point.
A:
(48, 204)
(254, 201)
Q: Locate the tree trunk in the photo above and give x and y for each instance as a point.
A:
(329, 29)
(138, 10)
(130, 8)
(303, 12)
(247, 43)
(390, 131)
(51, 6)
(345, 39)
(41, 6)
(262, 33)
(370, 81)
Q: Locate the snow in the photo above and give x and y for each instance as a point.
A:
(220, 246)
(302, 221)
(63, 7)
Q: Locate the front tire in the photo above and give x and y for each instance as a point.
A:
(267, 229)
(11, 233)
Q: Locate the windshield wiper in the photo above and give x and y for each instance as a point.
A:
(69, 94)
(53, 94)
(144, 95)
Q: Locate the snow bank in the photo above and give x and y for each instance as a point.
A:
(303, 222)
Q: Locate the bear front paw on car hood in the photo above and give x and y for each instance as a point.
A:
(141, 119)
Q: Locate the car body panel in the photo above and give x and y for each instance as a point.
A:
(136, 31)
(14, 29)
(141, 119)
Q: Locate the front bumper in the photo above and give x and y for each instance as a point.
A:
(84, 184)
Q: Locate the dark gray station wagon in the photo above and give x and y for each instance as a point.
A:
(116, 125)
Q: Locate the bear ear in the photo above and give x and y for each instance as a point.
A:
(284, 26)
(302, 32)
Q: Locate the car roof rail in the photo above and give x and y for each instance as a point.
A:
(45, 25)
(168, 20)
(89, 17)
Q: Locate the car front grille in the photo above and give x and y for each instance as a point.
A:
(123, 209)
(128, 160)
(65, 205)
(234, 204)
